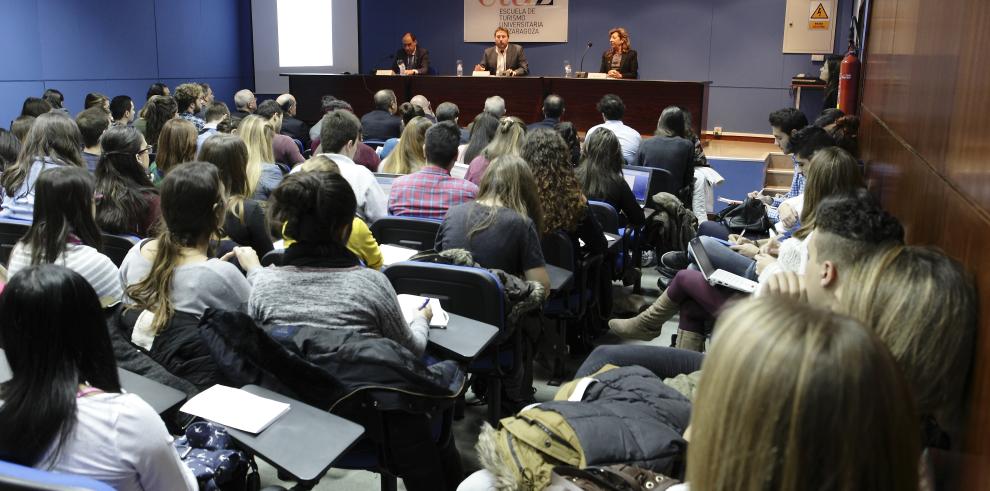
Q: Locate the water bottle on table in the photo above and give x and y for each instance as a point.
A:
(402, 68)
(460, 68)
(568, 71)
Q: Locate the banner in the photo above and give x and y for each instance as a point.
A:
(528, 21)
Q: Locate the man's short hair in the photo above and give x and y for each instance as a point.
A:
(216, 111)
(187, 94)
(442, 140)
(553, 106)
(447, 111)
(286, 101)
(495, 105)
(156, 88)
(92, 123)
(848, 227)
(788, 119)
(119, 105)
(503, 29)
(384, 99)
(268, 109)
(411, 36)
(325, 103)
(611, 107)
(809, 140)
(337, 105)
(242, 98)
(337, 128)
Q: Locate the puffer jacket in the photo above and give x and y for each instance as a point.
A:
(672, 226)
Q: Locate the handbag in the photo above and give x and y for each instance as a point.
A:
(749, 217)
(619, 477)
(210, 453)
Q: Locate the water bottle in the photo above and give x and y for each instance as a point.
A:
(402, 68)
(568, 72)
(460, 68)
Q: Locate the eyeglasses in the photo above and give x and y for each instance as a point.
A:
(149, 149)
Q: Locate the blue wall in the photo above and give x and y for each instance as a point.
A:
(734, 43)
(121, 47)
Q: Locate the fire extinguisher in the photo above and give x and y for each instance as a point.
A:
(849, 81)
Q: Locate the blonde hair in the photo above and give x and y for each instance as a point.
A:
(623, 36)
(508, 139)
(509, 182)
(923, 305)
(319, 163)
(257, 133)
(409, 155)
(831, 171)
(795, 397)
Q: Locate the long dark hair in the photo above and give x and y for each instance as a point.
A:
(315, 208)
(123, 182)
(482, 132)
(601, 165)
(672, 122)
(192, 212)
(56, 338)
(10, 146)
(230, 155)
(561, 199)
(53, 135)
(160, 109)
(63, 204)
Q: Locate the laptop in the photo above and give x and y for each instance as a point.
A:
(718, 276)
(385, 181)
(638, 179)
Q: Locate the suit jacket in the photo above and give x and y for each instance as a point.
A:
(629, 68)
(295, 128)
(546, 123)
(515, 59)
(379, 125)
(422, 62)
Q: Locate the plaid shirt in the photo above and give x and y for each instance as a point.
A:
(428, 193)
(195, 120)
(797, 189)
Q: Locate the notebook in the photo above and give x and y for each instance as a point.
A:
(410, 304)
(392, 254)
(235, 408)
(718, 276)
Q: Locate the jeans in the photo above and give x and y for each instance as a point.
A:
(714, 229)
(726, 259)
(662, 361)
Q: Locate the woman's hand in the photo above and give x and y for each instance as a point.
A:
(246, 256)
(427, 313)
(788, 216)
(614, 74)
(747, 249)
(762, 261)
(771, 247)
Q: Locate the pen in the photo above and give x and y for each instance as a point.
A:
(425, 303)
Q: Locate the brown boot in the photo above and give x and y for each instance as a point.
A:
(647, 324)
(690, 340)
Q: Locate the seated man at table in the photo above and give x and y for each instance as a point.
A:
(553, 109)
(612, 110)
(504, 59)
(431, 191)
(381, 123)
(411, 59)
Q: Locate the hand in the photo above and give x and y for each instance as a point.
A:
(786, 284)
(762, 261)
(739, 239)
(614, 74)
(427, 312)
(411, 72)
(749, 250)
(509, 73)
(771, 247)
(479, 68)
(246, 256)
(787, 215)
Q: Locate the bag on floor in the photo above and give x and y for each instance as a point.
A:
(619, 477)
(749, 217)
(209, 452)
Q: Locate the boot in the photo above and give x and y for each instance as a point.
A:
(647, 324)
(690, 340)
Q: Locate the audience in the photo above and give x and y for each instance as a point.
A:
(34, 106)
(245, 223)
(54, 98)
(600, 175)
(495, 106)
(448, 111)
(262, 173)
(64, 410)
(122, 110)
(176, 145)
(363, 155)
(96, 99)
(160, 110)
(381, 123)
(553, 109)
(54, 140)
(245, 104)
(669, 149)
(129, 204)
(63, 232)
(507, 141)
(157, 88)
(423, 103)
(20, 127)
(482, 131)
(189, 100)
(341, 135)
(216, 113)
(92, 123)
(568, 132)
(612, 109)
(207, 99)
(284, 150)
(410, 154)
(10, 146)
(431, 191)
(291, 126)
(407, 111)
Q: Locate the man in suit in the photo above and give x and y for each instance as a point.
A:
(416, 60)
(382, 123)
(292, 126)
(553, 108)
(504, 59)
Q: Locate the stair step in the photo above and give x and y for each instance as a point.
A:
(772, 190)
(779, 161)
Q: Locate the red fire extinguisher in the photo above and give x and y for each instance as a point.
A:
(849, 81)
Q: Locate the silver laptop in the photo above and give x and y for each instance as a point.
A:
(719, 276)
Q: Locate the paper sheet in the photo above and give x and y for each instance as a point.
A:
(235, 408)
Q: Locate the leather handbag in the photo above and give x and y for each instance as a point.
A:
(749, 217)
(618, 477)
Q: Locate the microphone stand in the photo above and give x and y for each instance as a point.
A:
(581, 73)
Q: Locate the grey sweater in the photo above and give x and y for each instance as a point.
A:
(346, 298)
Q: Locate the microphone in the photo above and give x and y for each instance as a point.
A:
(581, 73)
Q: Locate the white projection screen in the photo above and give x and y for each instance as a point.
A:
(302, 36)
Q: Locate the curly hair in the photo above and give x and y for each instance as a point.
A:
(563, 203)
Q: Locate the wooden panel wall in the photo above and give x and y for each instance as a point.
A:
(926, 140)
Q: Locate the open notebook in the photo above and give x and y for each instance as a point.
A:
(235, 408)
(410, 304)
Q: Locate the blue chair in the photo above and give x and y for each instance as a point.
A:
(608, 218)
(11, 231)
(18, 477)
(374, 143)
(414, 233)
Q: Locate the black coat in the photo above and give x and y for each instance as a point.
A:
(421, 63)
(295, 128)
(629, 68)
(380, 125)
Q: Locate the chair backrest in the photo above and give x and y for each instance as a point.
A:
(19, 477)
(273, 256)
(11, 231)
(374, 143)
(607, 217)
(558, 250)
(662, 181)
(474, 293)
(414, 233)
(116, 247)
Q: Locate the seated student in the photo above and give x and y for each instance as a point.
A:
(670, 149)
(263, 175)
(92, 123)
(35, 106)
(340, 132)
(448, 111)
(568, 132)
(553, 109)
(245, 223)
(216, 112)
(21, 126)
(97, 100)
(407, 111)
(122, 110)
(612, 109)
(320, 283)
(284, 149)
(130, 204)
(482, 131)
(381, 123)
(63, 232)
(10, 146)
(53, 141)
(409, 156)
(174, 272)
(500, 228)
(158, 111)
(507, 142)
(833, 172)
(176, 145)
(64, 410)
(751, 378)
(600, 175)
(431, 191)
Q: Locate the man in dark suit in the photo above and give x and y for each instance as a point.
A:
(382, 123)
(553, 108)
(291, 126)
(416, 60)
(504, 59)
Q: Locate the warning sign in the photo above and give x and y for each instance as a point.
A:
(818, 20)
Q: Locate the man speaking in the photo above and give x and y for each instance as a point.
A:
(411, 59)
(504, 59)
